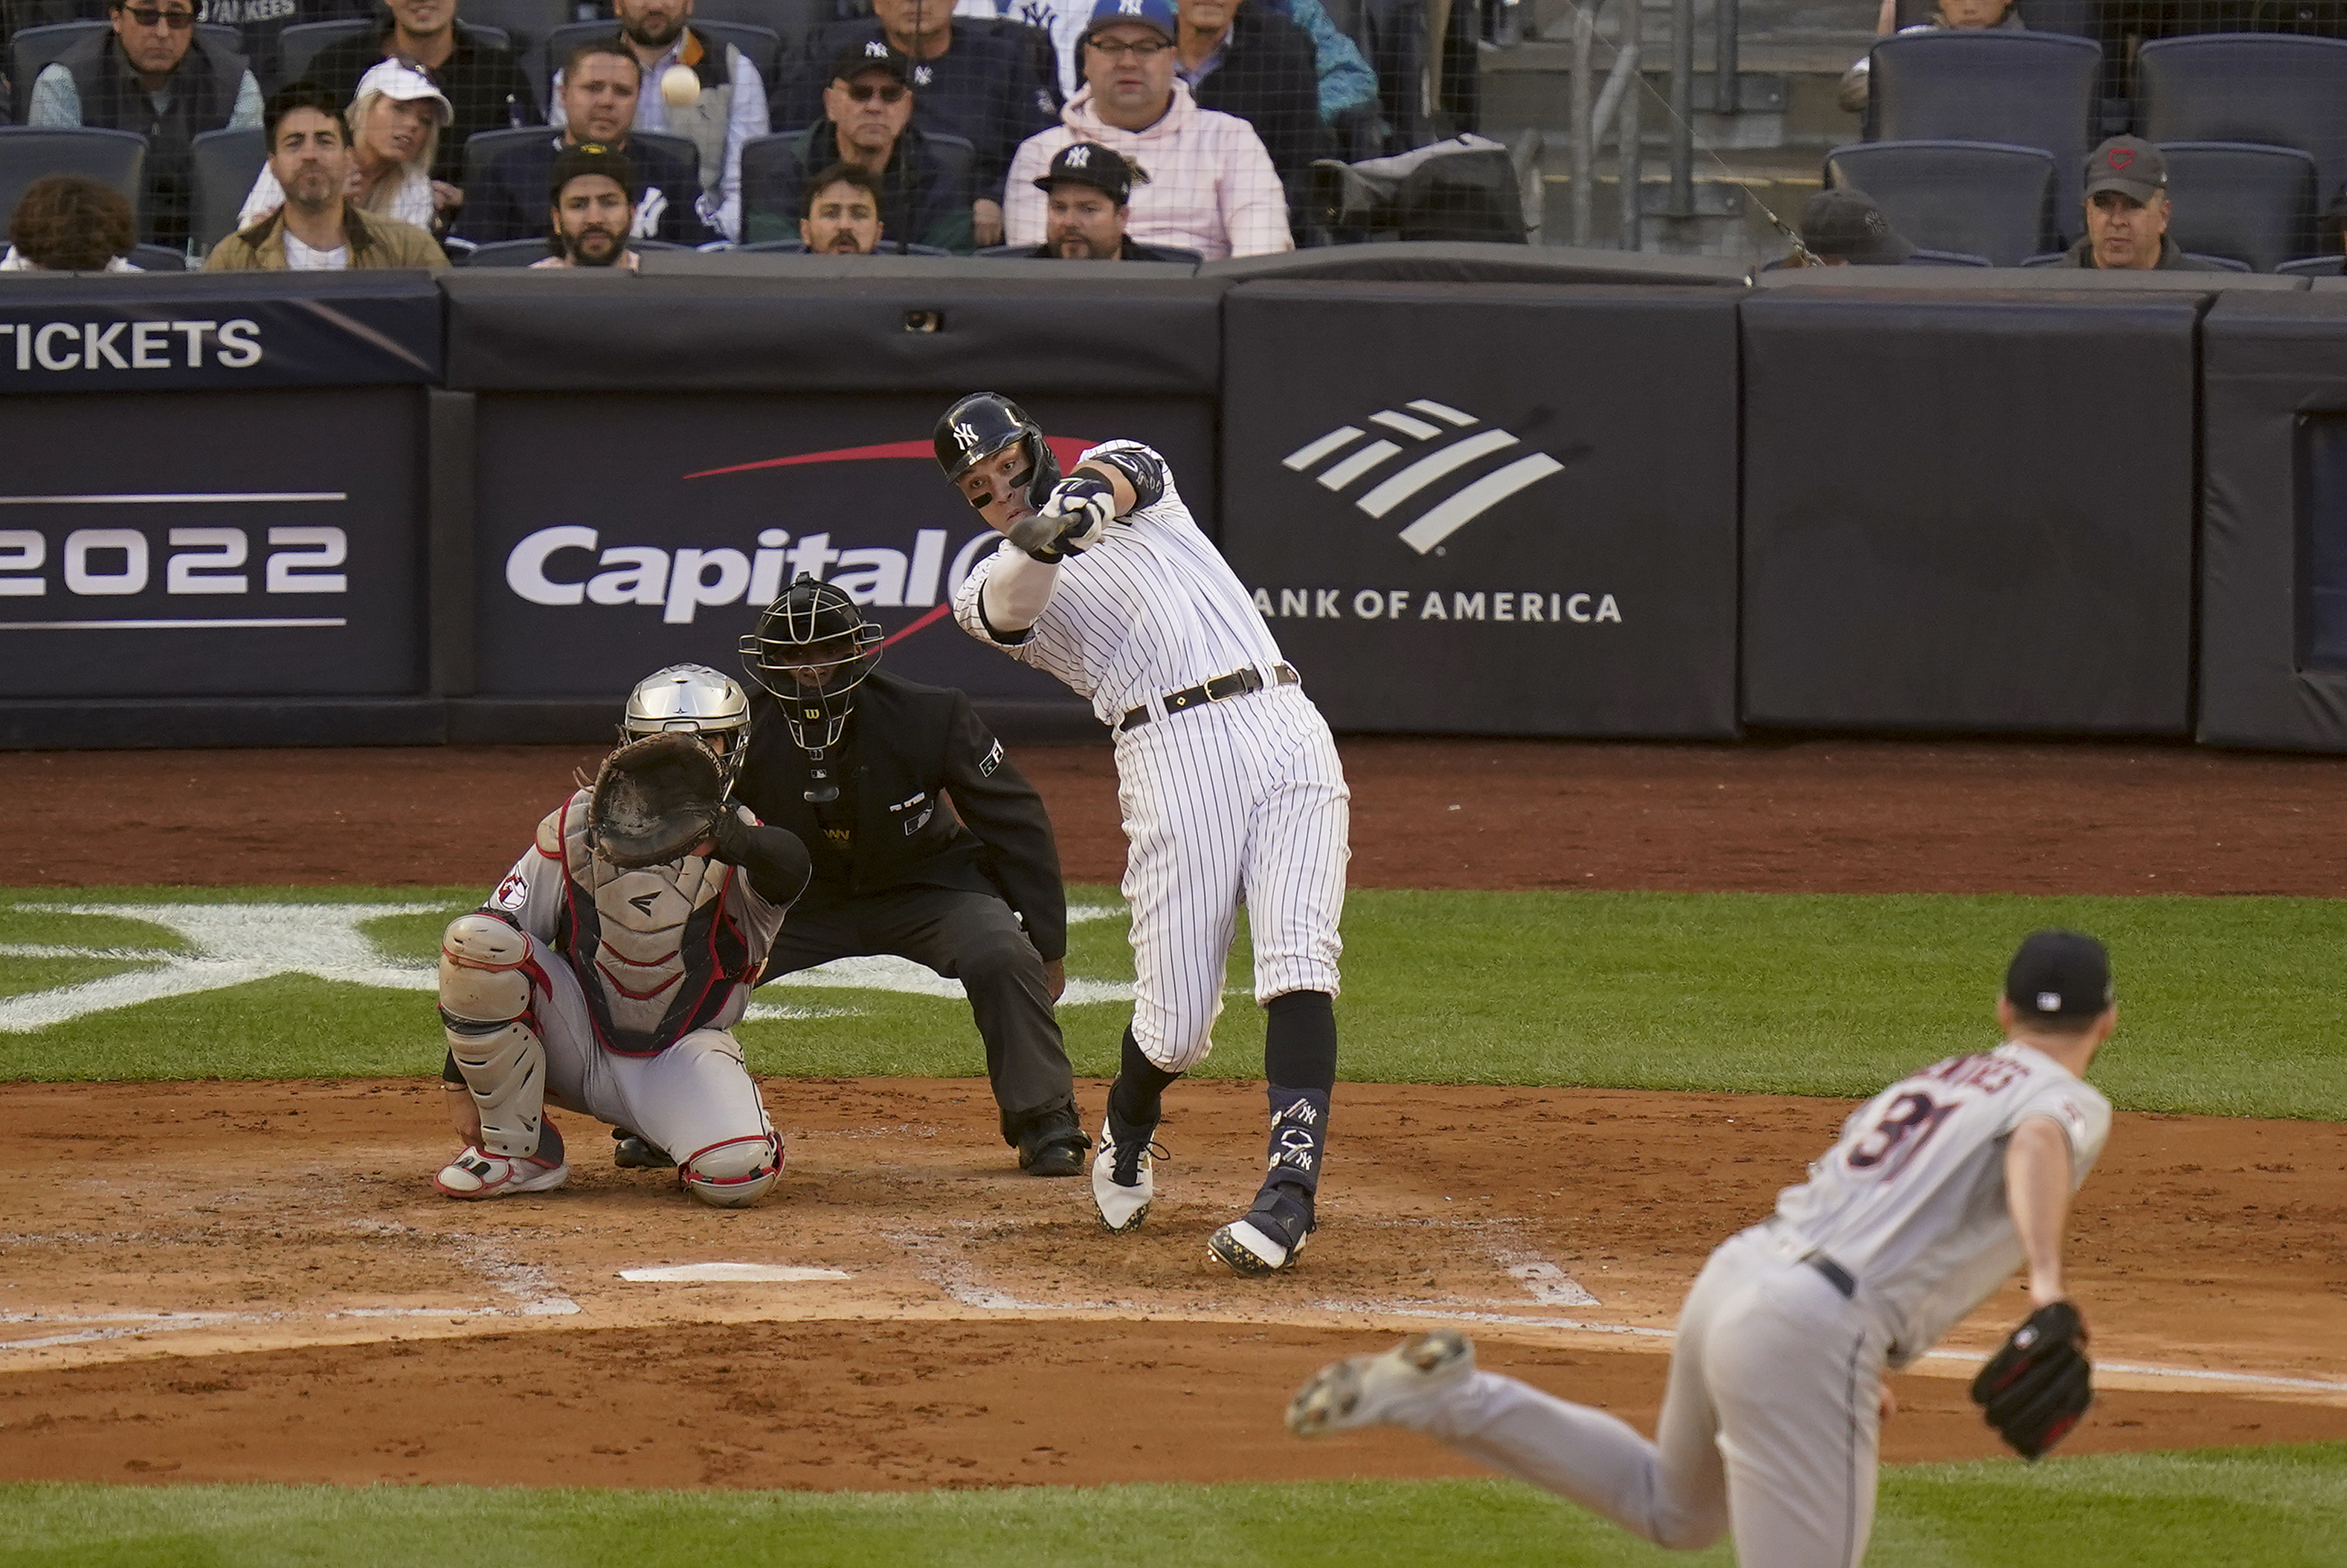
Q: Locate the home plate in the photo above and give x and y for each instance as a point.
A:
(730, 1273)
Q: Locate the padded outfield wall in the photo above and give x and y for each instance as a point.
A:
(1475, 490)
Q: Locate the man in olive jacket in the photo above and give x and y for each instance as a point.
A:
(317, 229)
(857, 764)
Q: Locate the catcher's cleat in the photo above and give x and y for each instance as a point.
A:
(1053, 1145)
(631, 1152)
(1272, 1234)
(477, 1173)
(1363, 1390)
(1123, 1184)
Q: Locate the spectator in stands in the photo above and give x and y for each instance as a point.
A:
(924, 187)
(483, 82)
(394, 124)
(601, 82)
(720, 99)
(318, 229)
(1085, 193)
(1211, 188)
(1964, 15)
(1846, 228)
(842, 212)
(69, 223)
(1346, 80)
(976, 82)
(1251, 61)
(593, 193)
(259, 23)
(152, 75)
(2127, 212)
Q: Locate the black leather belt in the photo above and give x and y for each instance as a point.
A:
(1835, 1274)
(1221, 689)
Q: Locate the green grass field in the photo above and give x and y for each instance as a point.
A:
(2272, 1507)
(2230, 1005)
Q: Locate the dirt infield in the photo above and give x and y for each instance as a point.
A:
(250, 1281)
(334, 1320)
(1838, 817)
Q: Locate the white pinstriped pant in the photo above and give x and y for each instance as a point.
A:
(1770, 1423)
(1235, 802)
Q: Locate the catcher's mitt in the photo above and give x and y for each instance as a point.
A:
(654, 799)
(2039, 1383)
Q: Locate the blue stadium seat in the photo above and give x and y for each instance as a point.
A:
(1173, 252)
(761, 44)
(2062, 258)
(792, 248)
(1923, 258)
(303, 42)
(227, 162)
(2277, 89)
(2017, 89)
(2255, 204)
(27, 153)
(1977, 198)
(158, 258)
(2329, 266)
(525, 252)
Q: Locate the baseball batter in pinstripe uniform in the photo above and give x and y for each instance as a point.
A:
(1227, 779)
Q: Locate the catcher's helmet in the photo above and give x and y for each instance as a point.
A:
(696, 700)
(812, 649)
(985, 423)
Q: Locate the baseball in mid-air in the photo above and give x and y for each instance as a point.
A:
(681, 86)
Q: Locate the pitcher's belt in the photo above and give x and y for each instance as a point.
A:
(1221, 689)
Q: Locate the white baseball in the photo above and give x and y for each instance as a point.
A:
(681, 86)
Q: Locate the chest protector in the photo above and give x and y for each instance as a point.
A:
(658, 951)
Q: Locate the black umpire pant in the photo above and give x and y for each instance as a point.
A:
(972, 937)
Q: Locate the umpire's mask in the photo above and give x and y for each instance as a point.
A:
(699, 701)
(812, 649)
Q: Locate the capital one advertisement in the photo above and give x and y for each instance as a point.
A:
(618, 534)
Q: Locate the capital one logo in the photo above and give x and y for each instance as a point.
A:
(1421, 486)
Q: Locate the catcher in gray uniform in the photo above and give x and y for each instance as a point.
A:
(607, 971)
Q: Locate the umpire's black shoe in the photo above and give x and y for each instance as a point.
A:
(1271, 1235)
(631, 1153)
(1053, 1143)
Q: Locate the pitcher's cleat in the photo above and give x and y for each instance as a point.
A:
(1363, 1390)
(477, 1173)
(1123, 1183)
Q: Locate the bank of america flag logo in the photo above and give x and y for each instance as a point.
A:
(1434, 453)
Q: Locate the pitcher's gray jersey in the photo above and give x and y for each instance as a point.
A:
(1911, 1199)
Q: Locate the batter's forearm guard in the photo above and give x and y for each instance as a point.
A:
(1145, 471)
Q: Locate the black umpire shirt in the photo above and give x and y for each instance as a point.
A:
(907, 744)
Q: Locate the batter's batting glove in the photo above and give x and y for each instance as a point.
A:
(1079, 511)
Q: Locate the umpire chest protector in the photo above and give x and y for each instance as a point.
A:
(656, 949)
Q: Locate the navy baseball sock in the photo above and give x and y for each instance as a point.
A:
(1133, 1098)
(1299, 1063)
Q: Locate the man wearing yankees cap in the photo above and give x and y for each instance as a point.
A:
(2128, 212)
(1085, 194)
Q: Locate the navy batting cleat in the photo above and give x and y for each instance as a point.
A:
(1123, 1183)
(1271, 1236)
(1364, 1390)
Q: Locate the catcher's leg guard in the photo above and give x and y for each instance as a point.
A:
(485, 1004)
(735, 1174)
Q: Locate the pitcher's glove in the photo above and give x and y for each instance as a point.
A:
(654, 799)
(2039, 1383)
(1074, 516)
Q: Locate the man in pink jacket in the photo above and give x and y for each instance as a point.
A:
(1210, 185)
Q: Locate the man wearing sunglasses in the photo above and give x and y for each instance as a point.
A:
(991, 83)
(1210, 186)
(150, 74)
(869, 108)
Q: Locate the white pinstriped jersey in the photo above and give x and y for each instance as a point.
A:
(1151, 609)
(1911, 1199)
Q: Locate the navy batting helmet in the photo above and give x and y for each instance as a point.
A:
(982, 424)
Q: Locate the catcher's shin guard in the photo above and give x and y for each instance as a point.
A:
(485, 1005)
(734, 1174)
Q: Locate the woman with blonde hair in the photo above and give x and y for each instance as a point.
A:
(395, 119)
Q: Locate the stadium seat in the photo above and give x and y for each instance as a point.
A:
(2061, 258)
(1923, 258)
(227, 162)
(27, 153)
(528, 252)
(792, 248)
(792, 21)
(761, 44)
(1977, 198)
(483, 148)
(303, 42)
(2019, 90)
(2275, 89)
(2329, 266)
(158, 258)
(2255, 204)
(768, 164)
(1013, 253)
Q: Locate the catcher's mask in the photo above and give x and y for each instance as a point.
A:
(812, 649)
(697, 700)
(982, 424)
